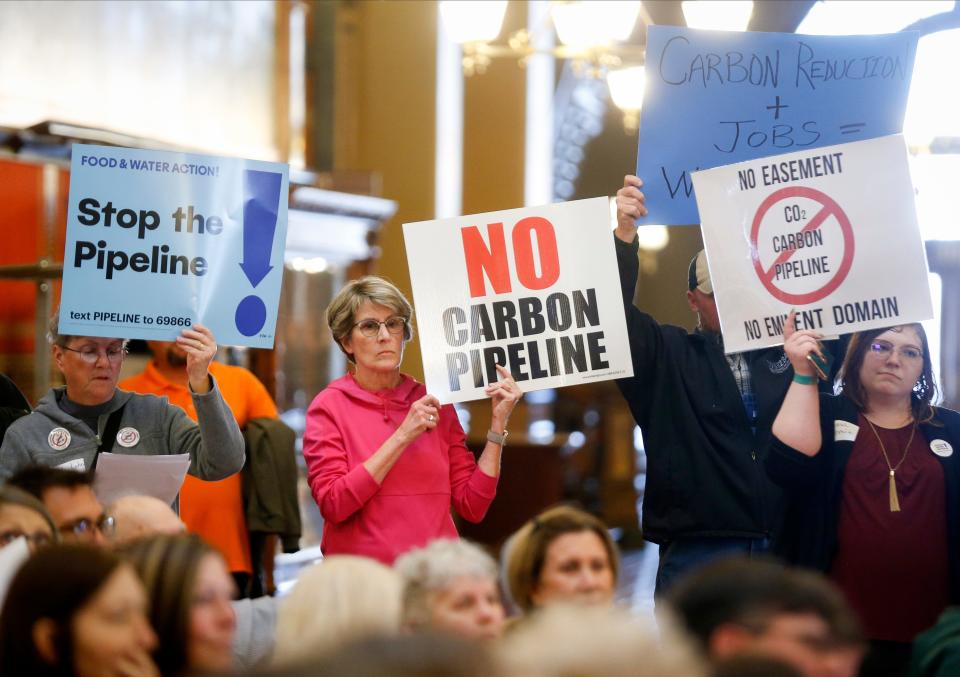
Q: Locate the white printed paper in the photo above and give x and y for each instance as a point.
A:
(121, 475)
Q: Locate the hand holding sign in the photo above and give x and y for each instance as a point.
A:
(631, 205)
(799, 345)
(422, 416)
(201, 347)
(505, 394)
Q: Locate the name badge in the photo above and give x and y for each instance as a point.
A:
(77, 464)
(845, 431)
(941, 448)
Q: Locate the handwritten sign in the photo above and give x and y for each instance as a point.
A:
(535, 290)
(830, 232)
(157, 241)
(714, 98)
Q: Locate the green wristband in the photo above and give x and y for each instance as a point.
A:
(804, 380)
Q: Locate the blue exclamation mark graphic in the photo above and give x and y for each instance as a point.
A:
(261, 201)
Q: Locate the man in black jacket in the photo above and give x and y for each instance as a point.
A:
(705, 419)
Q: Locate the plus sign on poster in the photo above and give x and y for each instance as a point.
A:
(713, 98)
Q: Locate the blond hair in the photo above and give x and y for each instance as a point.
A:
(343, 598)
(526, 550)
(342, 311)
(572, 641)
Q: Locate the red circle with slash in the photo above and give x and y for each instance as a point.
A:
(829, 208)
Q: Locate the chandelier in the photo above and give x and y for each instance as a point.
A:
(591, 34)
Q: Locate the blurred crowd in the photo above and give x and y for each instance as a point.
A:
(805, 500)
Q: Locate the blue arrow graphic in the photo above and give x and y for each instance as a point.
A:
(261, 198)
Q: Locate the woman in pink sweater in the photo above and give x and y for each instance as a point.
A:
(384, 460)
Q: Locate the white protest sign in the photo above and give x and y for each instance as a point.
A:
(830, 232)
(534, 289)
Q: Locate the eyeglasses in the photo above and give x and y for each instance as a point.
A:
(84, 527)
(90, 354)
(884, 348)
(371, 327)
(37, 540)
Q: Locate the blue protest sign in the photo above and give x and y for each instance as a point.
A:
(158, 241)
(714, 98)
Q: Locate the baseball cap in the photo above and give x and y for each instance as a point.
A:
(698, 276)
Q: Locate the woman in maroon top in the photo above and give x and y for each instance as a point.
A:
(872, 484)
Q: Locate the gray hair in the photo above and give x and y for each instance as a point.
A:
(55, 338)
(428, 570)
(343, 308)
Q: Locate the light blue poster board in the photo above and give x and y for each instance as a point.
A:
(157, 241)
(714, 98)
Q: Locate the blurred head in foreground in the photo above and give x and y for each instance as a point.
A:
(565, 640)
(561, 555)
(451, 586)
(341, 599)
(740, 606)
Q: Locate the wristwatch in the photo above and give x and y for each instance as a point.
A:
(497, 438)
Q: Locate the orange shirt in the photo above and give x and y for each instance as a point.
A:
(214, 510)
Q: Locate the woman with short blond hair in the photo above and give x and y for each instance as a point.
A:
(385, 461)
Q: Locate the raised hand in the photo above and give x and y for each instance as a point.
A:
(201, 347)
(631, 205)
(798, 344)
